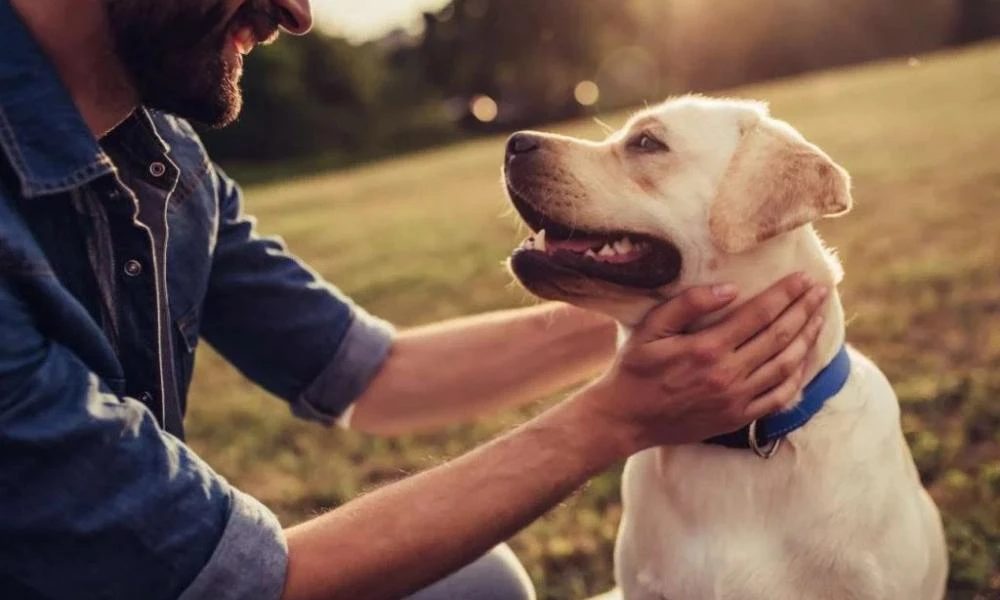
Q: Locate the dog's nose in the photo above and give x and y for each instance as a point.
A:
(522, 143)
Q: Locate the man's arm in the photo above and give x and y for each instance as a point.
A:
(461, 369)
(96, 501)
(664, 389)
(409, 534)
(281, 324)
(293, 333)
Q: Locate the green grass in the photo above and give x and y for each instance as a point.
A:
(422, 238)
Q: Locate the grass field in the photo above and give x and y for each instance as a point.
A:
(422, 238)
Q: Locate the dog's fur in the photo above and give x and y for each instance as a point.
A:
(839, 511)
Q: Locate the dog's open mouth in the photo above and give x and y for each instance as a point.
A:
(625, 258)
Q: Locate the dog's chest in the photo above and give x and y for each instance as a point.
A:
(704, 541)
(825, 518)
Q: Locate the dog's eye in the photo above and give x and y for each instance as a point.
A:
(644, 142)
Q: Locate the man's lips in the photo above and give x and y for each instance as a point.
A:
(244, 40)
(254, 24)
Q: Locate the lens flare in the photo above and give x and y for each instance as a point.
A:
(587, 93)
(484, 108)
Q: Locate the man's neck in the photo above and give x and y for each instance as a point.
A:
(74, 35)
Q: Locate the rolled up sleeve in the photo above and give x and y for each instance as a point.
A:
(282, 325)
(359, 357)
(250, 559)
(96, 501)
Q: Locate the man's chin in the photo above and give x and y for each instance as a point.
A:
(215, 109)
(204, 89)
(220, 115)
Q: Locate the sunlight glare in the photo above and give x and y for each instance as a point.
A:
(484, 108)
(587, 93)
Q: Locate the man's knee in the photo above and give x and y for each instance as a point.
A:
(496, 576)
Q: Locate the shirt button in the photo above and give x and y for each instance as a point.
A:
(133, 268)
(157, 169)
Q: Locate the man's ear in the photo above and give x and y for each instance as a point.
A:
(773, 184)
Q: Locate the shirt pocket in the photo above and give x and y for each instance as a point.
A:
(193, 222)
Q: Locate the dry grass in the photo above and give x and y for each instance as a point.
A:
(422, 238)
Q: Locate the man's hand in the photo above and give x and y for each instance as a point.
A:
(667, 387)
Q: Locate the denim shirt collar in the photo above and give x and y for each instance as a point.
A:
(42, 133)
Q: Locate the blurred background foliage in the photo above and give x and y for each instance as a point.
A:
(479, 66)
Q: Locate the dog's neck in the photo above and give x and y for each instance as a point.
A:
(799, 250)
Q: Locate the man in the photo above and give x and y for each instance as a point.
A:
(121, 244)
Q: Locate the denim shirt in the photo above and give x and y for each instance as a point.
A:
(116, 256)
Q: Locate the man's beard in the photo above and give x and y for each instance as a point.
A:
(178, 53)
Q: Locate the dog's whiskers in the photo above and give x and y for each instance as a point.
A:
(608, 129)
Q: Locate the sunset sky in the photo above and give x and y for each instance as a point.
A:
(363, 19)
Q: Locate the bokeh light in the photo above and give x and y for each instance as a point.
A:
(587, 93)
(484, 108)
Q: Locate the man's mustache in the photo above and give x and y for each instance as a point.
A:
(212, 27)
(261, 16)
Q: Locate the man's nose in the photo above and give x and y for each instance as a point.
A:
(296, 16)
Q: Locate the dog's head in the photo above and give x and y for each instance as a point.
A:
(666, 203)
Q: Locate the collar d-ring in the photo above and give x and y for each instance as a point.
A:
(766, 451)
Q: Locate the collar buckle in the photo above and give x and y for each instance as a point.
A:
(767, 450)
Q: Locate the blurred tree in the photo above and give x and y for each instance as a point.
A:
(731, 42)
(319, 101)
(319, 95)
(978, 20)
(528, 55)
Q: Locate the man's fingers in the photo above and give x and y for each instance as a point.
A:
(779, 334)
(779, 368)
(761, 311)
(674, 316)
(776, 399)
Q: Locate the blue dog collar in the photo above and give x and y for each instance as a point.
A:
(763, 435)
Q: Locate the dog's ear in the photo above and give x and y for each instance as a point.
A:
(773, 184)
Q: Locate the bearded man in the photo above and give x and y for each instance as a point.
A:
(122, 245)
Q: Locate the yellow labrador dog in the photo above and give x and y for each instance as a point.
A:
(820, 501)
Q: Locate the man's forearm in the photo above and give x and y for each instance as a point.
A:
(406, 535)
(461, 369)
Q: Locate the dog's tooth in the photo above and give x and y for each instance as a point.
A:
(607, 251)
(590, 254)
(540, 241)
(623, 246)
